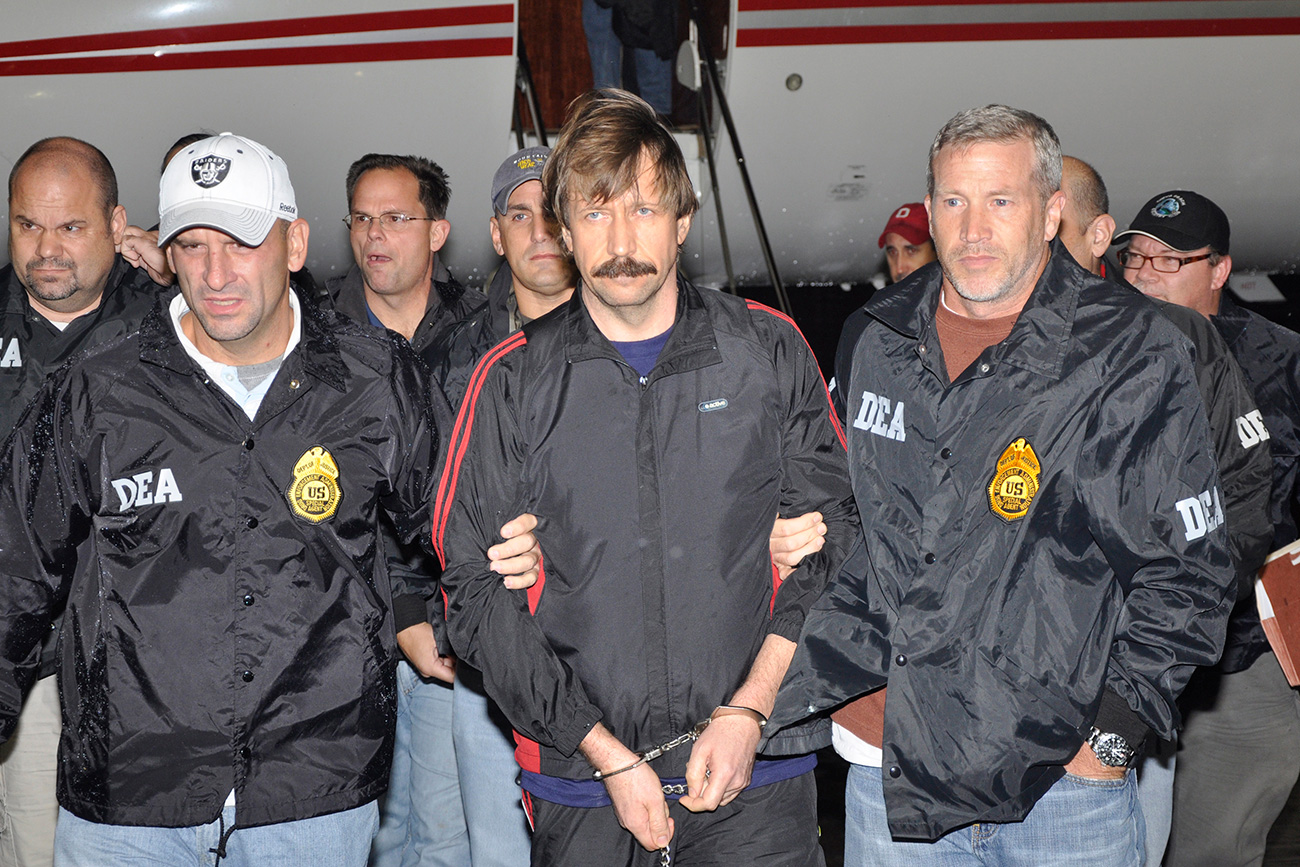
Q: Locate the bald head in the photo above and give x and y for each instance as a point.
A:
(68, 155)
(1086, 227)
(64, 225)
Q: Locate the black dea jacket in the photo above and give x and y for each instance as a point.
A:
(656, 497)
(1042, 534)
(31, 349)
(1269, 355)
(228, 619)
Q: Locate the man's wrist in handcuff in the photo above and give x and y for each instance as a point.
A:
(740, 710)
(719, 711)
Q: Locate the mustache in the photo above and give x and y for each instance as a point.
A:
(625, 266)
(63, 264)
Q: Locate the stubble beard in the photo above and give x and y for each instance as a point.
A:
(53, 289)
(1016, 272)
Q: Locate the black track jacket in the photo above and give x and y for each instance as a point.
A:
(226, 627)
(656, 500)
(1045, 529)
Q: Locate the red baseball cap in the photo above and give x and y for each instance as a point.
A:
(911, 222)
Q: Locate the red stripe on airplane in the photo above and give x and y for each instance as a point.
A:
(806, 5)
(251, 57)
(761, 37)
(458, 16)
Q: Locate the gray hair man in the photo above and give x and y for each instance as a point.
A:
(1032, 620)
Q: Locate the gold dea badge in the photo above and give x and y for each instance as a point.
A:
(1015, 482)
(315, 493)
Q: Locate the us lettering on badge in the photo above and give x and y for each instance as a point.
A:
(880, 417)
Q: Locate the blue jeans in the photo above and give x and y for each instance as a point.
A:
(489, 788)
(422, 821)
(654, 76)
(341, 839)
(1156, 795)
(1079, 822)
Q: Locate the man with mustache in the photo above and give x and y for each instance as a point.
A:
(655, 430)
(65, 290)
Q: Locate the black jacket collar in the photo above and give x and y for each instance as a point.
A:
(691, 345)
(317, 350)
(1039, 338)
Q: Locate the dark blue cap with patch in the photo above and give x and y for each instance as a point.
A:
(1182, 220)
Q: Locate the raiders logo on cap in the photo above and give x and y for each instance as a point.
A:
(1015, 482)
(209, 171)
(315, 494)
(1168, 206)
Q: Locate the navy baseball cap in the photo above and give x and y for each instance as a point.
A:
(1182, 220)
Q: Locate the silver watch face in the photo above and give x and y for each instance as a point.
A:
(1110, 748)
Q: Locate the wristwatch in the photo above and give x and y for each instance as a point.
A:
(1111, 749)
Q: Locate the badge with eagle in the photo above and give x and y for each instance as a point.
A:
(1015, 481)
(315, 493)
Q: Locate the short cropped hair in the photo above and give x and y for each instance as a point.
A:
(180, 144)
(1001, 124)
(1088, 192)
(91, 158)
(435, 191)
(599, 151)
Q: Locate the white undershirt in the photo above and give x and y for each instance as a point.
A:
(854, 749)
(226, 376)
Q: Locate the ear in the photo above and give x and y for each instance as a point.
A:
(1100, 231)
(171, 263)
(683, 229)
(438, 232)
(567, 238)
(495, 229)
(1052, 217)
(117, 225)
(1219, 274)
(296, 242)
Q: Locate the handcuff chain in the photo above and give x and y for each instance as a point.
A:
(693, 734)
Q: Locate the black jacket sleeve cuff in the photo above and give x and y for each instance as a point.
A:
(1116, 717)
(409, 610)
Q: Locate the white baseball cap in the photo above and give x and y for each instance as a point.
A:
(228, 183)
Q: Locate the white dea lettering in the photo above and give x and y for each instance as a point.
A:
(12, 357)
(138, 490)
(880, 417)
(1250, 428)
(1201, 513)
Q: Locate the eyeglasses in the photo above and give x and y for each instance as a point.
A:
(1163, 264)
(392, 220)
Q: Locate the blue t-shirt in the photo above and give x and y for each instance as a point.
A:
(641, 355)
